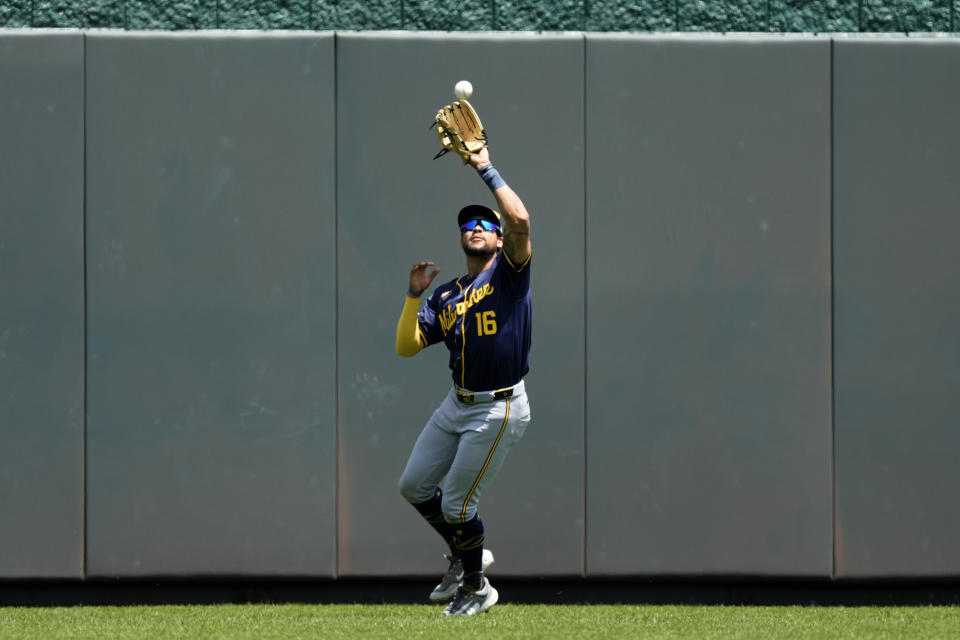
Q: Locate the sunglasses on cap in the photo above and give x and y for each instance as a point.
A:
(486, 225)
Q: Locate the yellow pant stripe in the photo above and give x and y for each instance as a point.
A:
(466, 501)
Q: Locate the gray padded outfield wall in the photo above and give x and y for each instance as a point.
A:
(897, 278)
(41, 305)
(398, 206)
(210, 240)
(708, 306)
(205, 239)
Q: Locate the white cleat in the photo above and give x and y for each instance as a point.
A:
(468, 602)
(453, 579)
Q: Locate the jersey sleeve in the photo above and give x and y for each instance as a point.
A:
(515, 277)
(428, 322)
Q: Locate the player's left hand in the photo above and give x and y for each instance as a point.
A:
(480, 158)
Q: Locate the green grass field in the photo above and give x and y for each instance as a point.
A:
(503, 621)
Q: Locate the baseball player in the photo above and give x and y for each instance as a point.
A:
(484, 319)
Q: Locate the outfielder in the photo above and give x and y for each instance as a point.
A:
(484, 319)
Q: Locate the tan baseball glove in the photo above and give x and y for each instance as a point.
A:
(459, 130)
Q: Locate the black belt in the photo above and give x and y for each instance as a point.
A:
(473, 397)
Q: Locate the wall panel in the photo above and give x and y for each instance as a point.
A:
(211, 446)
(398, 206)
(708, 306)
(897, 274)
(41, 305)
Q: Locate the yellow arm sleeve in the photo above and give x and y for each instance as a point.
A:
(409, 340)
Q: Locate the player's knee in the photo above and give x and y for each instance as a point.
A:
(412, 491)
(407, 490)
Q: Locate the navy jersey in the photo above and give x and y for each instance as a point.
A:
(485, 323)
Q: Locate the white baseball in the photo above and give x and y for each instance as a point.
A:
(463, 90)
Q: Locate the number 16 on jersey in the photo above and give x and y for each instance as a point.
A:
(486, 323)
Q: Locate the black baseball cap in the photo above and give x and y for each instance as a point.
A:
(478, 211)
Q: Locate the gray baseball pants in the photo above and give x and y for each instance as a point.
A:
(461, 449)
